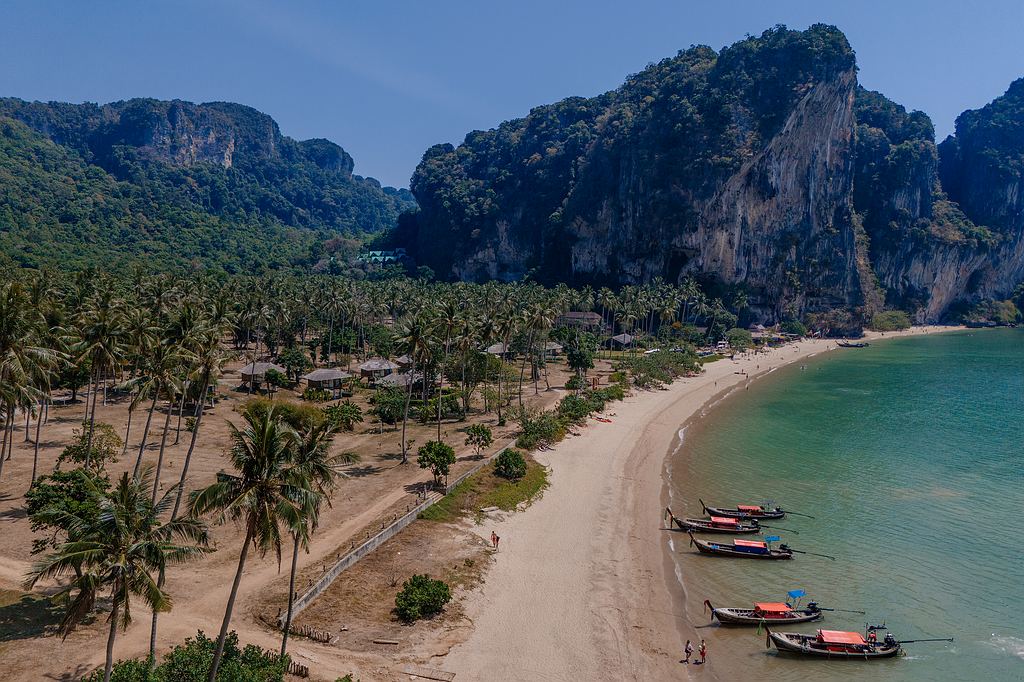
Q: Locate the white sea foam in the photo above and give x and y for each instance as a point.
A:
(1007, 644)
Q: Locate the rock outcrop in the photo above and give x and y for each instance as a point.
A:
(764, 166)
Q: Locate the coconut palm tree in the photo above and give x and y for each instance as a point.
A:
(121, 550)
(265, 493)
(315, 470)
(103, 342)
(414, 340)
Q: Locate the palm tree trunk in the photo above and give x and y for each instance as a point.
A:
(35, 454)
(127, 431)
(3, 444)
(291, 597)
(405, 413)
(92, 424)
(181, 408)
(440, 385)
(163, 444)
(522, 368)
(191, 447)
(145, 435)
(110, 642)
(231, 605)
(152, 628)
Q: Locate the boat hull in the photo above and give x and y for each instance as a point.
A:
(796, 644)
(729, 616)
(716, 549)
(701, 526)
(737, 514)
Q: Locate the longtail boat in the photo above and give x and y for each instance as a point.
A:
(715, 524)
(745, 511)
(765, 613)
(852, 344)
(746, 549)
(833, 644)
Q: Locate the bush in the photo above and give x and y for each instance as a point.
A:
(345, 415)
(106, 446)
(389, 405)
(479, 436)
(436, 456)
(793, 327)
(297, 415)
(890, 321)
(539, 428)
(316, 395)
(575, 383)
(190, 424)
(510, 464)
(190, 662)
(654, 369)
(421, 597)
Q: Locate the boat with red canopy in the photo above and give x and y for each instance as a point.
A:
(715, 524)
(747, 549)
(765, 613)
(745, 511)
(834, 644)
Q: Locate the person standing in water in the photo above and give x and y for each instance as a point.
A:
(687, 651)
(703, 651)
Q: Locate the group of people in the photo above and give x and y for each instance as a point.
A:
(702, 651)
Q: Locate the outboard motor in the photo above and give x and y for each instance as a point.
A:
(890, 640)
(812, 607)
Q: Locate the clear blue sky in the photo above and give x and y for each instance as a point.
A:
(388, 79)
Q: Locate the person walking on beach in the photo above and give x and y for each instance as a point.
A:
(494, 540)
(703, 651)
(687, 651)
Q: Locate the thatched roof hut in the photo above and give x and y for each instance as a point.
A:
(376, 368)
(257, 371)
(326, 378)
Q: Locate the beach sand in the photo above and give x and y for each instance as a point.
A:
(583, 586)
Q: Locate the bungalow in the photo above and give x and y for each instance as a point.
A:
(326, 379)
(581, 320)
(376, 368)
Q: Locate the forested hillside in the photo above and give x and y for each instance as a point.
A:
(209, 185)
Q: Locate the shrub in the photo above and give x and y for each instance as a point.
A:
(510, 464)
(106, 445)
(619, 377)
(890, 321)
(190, 424)
(295, 414)
(793, 327)
(421, 597)
(190, 662)
(316, 395)
(479, 436)
(437, 456)
(345, 415)
(539, 428)
(389, 405)
(575, 383)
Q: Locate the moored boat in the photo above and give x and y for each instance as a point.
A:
(745, 511)
(745, 549)
(767, 613)
(715, 524)
(833, 644)
(853, 344)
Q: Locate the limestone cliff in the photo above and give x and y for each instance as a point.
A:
(763, 166)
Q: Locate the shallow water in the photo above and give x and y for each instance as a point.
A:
(908, 454)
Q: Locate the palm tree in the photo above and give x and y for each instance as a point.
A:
(316, 470)
(414, 340)
(120, 550)
(448, 317)
(24, 361)
(102, 342)
(265, 493)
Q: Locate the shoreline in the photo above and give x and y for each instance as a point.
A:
(585, 585)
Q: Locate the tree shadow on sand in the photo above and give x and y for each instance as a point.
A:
(29, 616)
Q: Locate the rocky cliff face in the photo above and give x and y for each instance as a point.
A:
(764, 166)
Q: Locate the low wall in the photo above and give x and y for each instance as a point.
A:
(314, 590)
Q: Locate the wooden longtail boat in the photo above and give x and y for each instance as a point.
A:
(716, 524)
(852, 344)
(746, 549)
(766, 613)
(833, 644)
(745, 511)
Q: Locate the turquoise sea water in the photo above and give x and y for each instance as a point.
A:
(909, 455)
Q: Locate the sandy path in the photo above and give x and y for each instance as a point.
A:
(583, 587)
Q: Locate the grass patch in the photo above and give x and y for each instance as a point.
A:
(484, 489)
(714, 357)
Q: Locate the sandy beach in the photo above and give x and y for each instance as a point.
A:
(583, 586)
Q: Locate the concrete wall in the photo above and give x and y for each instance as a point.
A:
(314, 590)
